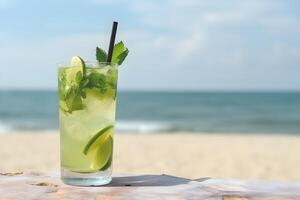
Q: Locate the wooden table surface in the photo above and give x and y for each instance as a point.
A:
(49, 186)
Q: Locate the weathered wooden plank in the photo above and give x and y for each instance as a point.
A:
(15, 186)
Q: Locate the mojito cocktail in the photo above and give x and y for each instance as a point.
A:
(87, 108)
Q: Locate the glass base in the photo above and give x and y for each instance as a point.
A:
(86, 179)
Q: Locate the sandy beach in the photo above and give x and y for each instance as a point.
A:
(270, 157)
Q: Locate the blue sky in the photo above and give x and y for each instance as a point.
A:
(174, 44)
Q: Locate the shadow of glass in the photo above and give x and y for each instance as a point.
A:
(147, 180)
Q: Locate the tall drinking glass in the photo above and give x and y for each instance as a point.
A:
(87, 107)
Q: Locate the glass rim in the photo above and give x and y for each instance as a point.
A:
(91, 64)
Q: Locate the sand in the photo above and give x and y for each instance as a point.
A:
(269, 157)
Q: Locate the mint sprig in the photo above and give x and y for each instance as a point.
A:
(119, 54)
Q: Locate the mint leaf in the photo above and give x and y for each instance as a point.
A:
(101, 55)
(104, 83)
(73, 99)
(97, 80)
(120, 52)
(118, 49)
(122, 56)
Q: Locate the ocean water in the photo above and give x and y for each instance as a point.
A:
(213, 112)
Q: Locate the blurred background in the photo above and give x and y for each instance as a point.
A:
(220, 79)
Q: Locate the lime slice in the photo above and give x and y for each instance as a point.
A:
(96, 140)
(77, 70)
(104, 156)
(99, 149)
(109, 161)
(77, 61)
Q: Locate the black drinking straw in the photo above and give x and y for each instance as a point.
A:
(112, 41)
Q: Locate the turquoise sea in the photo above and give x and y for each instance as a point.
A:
(214, 112)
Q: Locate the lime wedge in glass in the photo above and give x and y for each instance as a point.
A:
(100, 148)
(105, 154)
(108, 163)
(97, 139)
